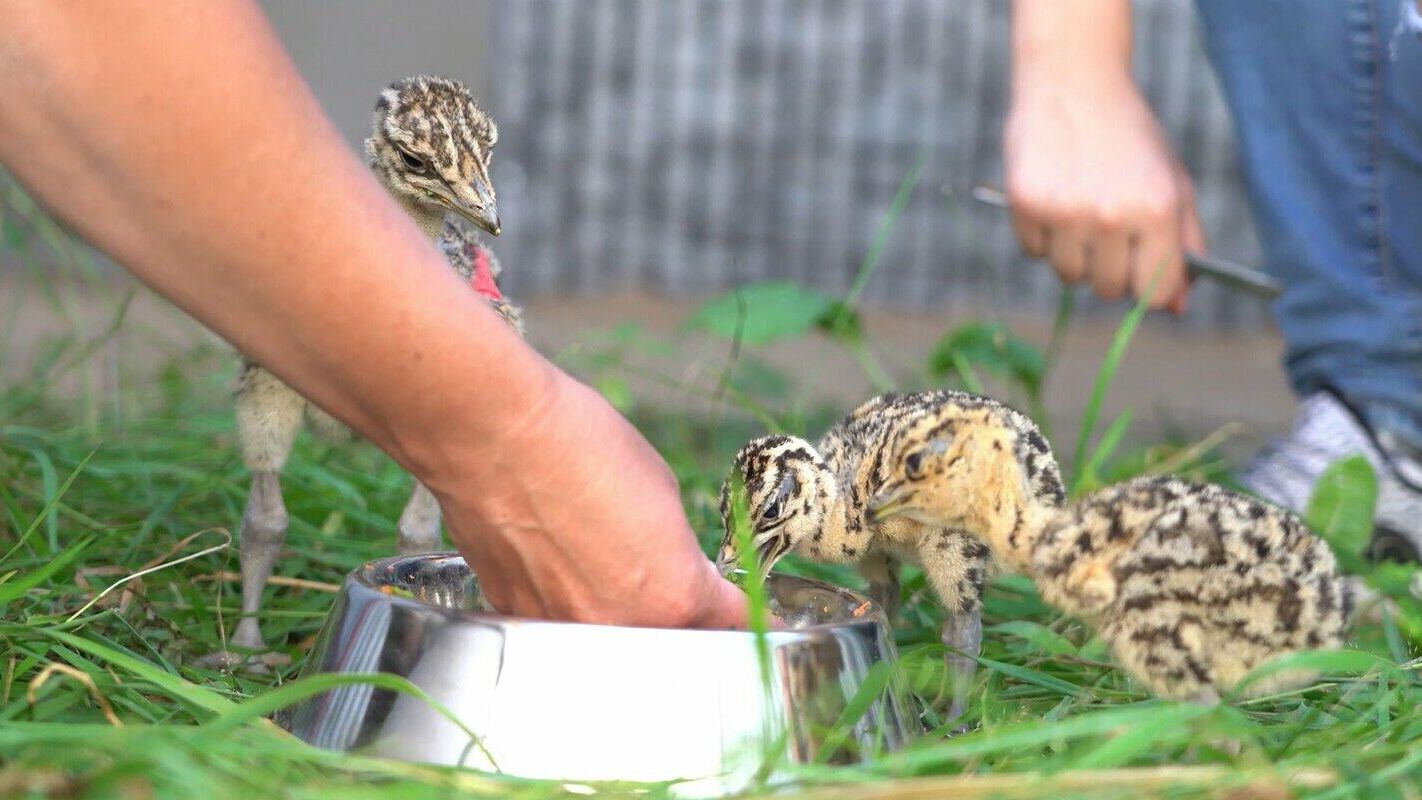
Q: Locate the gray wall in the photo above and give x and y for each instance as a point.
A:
(687, 145)
(681, 146)
(348, 49)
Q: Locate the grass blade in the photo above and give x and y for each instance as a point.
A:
(1104, 375)
(49, 506)
(190, 693)
(10, 590)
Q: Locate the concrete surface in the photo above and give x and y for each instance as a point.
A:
(1184, 382)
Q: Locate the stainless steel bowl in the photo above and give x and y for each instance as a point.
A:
(593, 703)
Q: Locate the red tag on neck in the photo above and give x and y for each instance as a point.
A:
(482, 278)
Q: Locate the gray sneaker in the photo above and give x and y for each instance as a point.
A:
(1326, 429)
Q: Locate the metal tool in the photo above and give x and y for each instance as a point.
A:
(1234, 275)
(597, 702)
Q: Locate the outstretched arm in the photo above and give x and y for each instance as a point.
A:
(178, 138)
(1094, 185)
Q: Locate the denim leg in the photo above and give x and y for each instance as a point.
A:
(1327, 102)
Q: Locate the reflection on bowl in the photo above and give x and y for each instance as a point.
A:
(592, 702)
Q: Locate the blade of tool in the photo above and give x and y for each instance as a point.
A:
(1228, 273)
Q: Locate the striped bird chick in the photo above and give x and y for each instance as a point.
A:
(1190, 585)
(813, 499)
(430, 147)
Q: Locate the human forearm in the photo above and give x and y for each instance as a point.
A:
(178, 138)
(1070, 41)
(281, 242)
(1094, 185)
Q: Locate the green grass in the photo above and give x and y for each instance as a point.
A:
(103, 699)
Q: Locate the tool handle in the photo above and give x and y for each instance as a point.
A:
(1229, 273)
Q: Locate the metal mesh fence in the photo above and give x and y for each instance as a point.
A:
(684, 146)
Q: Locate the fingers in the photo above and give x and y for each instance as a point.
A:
(1068, 250)
(1159, 270)
(722, 605)
(1119, 254)
(1095, 249)
(1031, 234)
(1192, 234)
(1174, 228)
(1113, 251)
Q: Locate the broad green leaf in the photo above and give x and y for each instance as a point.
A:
(841, 323)
(615, 390)
(13, 234)
(763, 312)
(989, 346)
(760, 381)
(1341, 508)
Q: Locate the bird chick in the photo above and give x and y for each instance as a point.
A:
(430, 147)
(477, 264)
(812, 499)
(1190, 585)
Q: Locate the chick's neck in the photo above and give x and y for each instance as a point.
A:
(844, 536)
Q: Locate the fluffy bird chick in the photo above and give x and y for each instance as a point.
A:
(1190, 585)
(429, 147)
(812, 499)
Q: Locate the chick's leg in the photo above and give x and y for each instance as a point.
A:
(418, 529)
(263, 531)
(955, 565)
(882, 573)
(268, 417)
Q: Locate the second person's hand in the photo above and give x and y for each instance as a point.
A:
(1094, 185)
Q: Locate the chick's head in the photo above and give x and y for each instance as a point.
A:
(957, 469)
(786, 485)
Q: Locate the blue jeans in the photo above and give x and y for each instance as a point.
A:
(1327, 102)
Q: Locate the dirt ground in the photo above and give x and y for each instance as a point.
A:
(1176, 381)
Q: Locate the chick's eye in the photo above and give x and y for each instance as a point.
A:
(412, 162)
(913, 464)
(772, 511)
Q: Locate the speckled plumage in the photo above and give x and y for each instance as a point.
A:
(825, 489)
(1193, 585)
(430, 146)
(463, 248)
(1190, 585)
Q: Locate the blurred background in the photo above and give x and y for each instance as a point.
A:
(656, 154)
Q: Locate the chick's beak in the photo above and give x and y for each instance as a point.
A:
(486, 218)
(483, 213)
(487, 214)
(726, 560)
(885, 506)
(769, 550)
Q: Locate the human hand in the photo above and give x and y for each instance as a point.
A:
(1095, 187)
(572, 515)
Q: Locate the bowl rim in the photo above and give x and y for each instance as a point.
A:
(356, 580)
